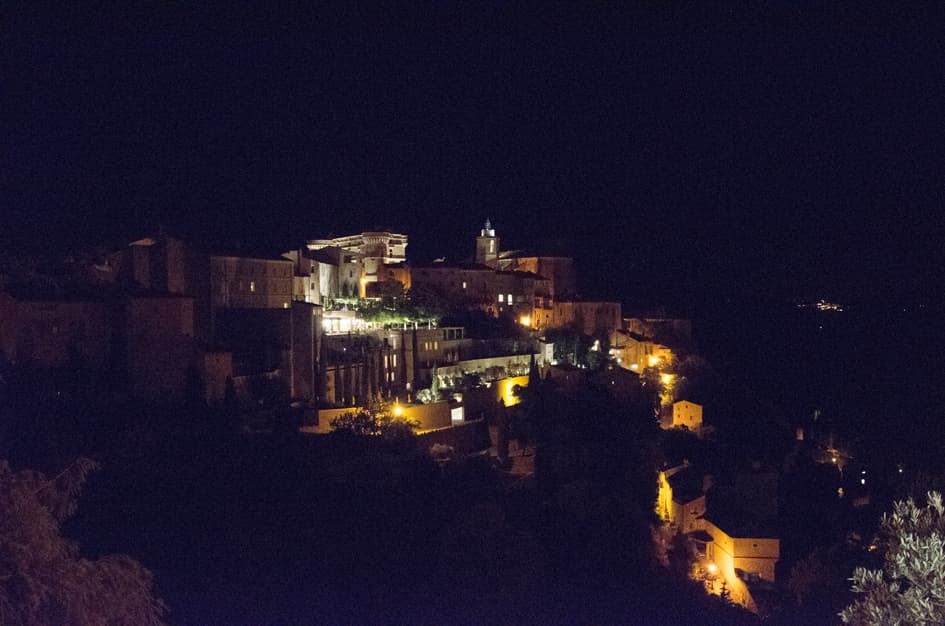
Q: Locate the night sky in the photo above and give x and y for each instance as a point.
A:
(675, 152)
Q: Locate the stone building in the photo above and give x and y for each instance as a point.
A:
(478, 286)
(375, 251)
(597, 318)
(158, 340)
(636, 352)
(687, 415)
(54, 331)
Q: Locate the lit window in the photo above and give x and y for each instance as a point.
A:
(252, 286)
(464, 284)
(501, 298)
(510, 298)
(394, 360)
(491, 246)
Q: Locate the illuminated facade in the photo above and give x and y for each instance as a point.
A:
(742, 555)
(681, 499)
(478, 286)
(688, 415)
(374, 249)
(487, 246)
(559, 270)
(250, 283)
(636, 353)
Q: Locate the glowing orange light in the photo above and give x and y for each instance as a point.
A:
(525, 320)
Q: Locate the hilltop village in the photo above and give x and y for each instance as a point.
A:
(345, 333)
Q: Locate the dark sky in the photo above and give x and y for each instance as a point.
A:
(678, 151)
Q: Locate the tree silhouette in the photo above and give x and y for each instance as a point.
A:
(910, 589)
(43, 577)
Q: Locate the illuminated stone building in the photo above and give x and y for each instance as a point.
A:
(239, 282)
(687, 415)
(374, 249)
(395, 362)
(325, 275)
(241, 304)
(559, 270)
(681, 498)
(636, 352)
(487, 246)
(740, 551)
(479, 286)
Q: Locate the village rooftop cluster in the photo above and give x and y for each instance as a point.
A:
(340, 324)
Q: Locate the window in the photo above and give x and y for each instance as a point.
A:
(394, 360)
(464, 284)
(252, 286)
(501, 298)
(510, 298)
(492, 246)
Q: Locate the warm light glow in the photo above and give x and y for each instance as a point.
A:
(667, 379)
(507, 389)
(398, 410)
(664, 498)
(653, 361)
(525, 320)
(713, 568)
(634, 366)
(833, 459)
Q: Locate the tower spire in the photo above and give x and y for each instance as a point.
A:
(487, 245)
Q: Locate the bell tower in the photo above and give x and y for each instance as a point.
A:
(487, 246)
